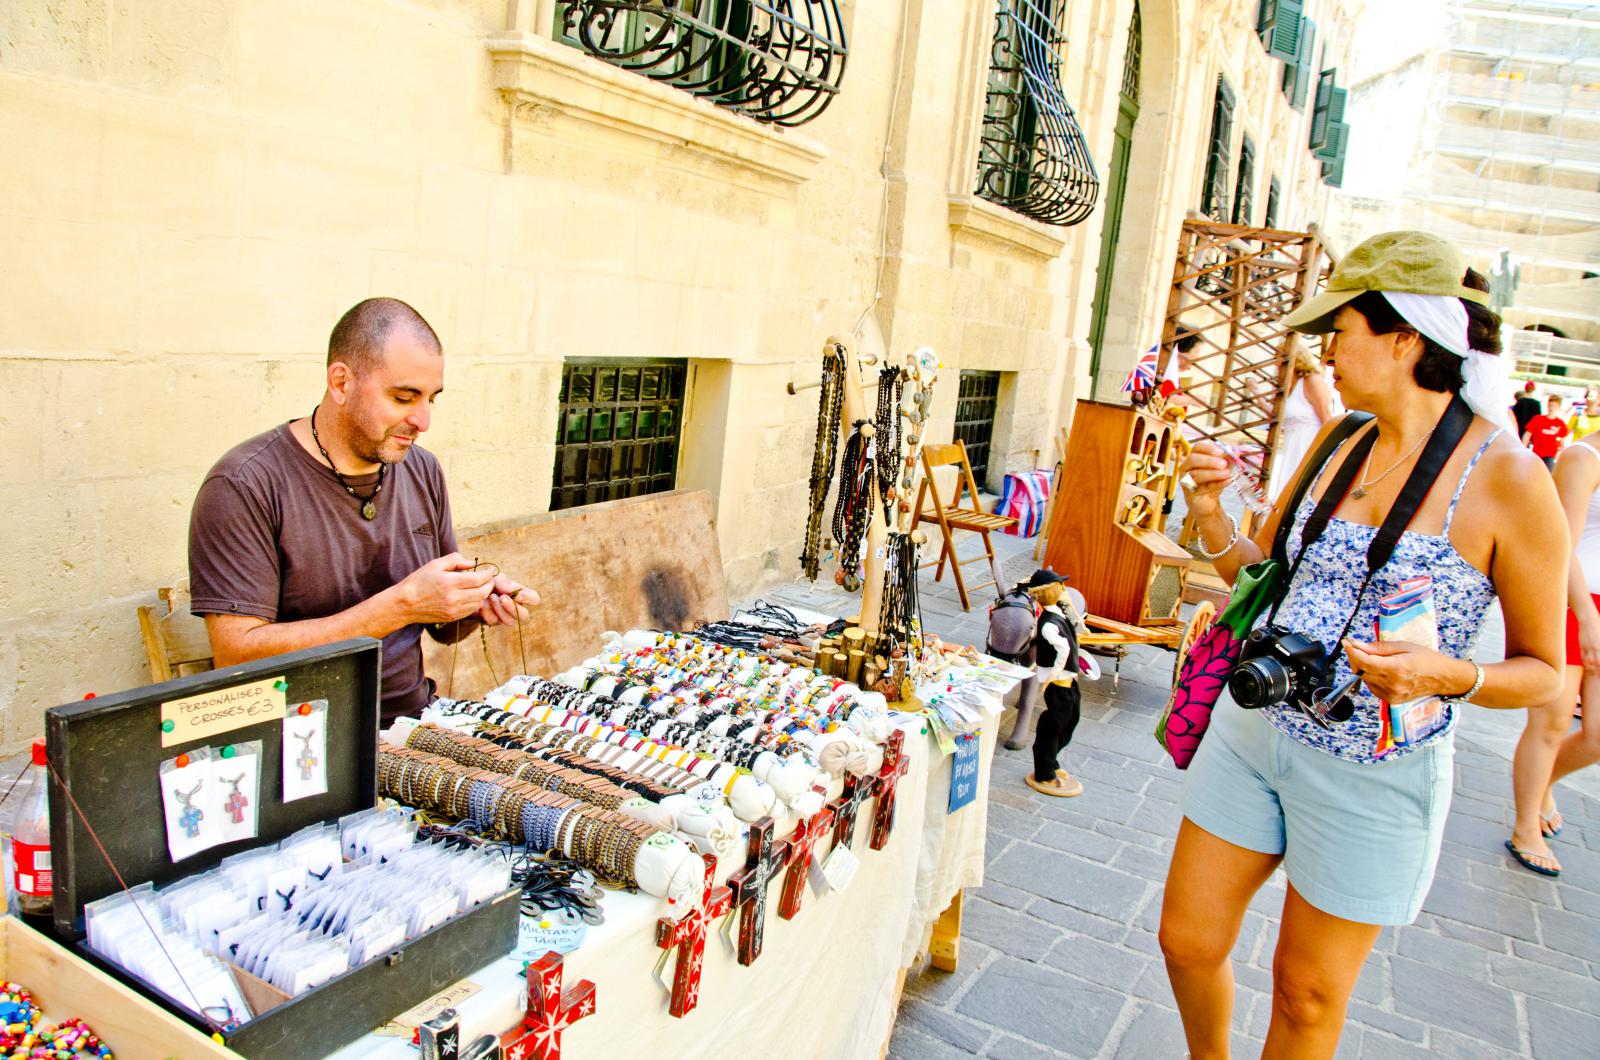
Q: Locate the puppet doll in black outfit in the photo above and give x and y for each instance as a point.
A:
(1056, 663)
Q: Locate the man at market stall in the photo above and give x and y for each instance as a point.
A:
(337, 525)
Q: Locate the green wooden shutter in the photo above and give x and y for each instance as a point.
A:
(1297, 75)
(1283, 37)
(1319, 113)
(1338, 132)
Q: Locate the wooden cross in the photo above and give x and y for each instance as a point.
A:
(856, 791)
(895, 766)
(550, 1011)
(764, 859)
(689, 936)
(801, 844)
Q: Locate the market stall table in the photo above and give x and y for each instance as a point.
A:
(826, 983)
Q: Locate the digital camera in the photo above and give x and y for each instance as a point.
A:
(1278, 665)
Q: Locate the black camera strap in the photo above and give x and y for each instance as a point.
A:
(1447, 434)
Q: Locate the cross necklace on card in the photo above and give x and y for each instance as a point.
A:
(369, 504)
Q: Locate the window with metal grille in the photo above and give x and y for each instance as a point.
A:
(1242, 197)
(617, 433)
(1274, 195)
(976, 400)
(1214, 191)
(1032, 157)
(1135, 50)
(777, 61)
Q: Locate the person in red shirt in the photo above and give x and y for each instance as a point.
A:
(1545, 434)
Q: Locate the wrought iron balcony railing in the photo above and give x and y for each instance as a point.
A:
(777, 61)
(1031, 156)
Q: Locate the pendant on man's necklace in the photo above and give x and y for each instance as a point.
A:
(369, 511)
(1355, 494)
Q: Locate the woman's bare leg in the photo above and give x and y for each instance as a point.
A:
(1318, 961)
(1209, 885)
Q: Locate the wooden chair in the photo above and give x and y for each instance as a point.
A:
(175, 642)
(953, 516)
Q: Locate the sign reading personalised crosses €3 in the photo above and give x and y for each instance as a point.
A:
(964, 771)
(197, 717)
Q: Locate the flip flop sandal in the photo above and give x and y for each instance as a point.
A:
(1527, 862)
(1058, 788)
(1551, 825)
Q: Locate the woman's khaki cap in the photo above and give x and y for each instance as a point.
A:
(1408, 262)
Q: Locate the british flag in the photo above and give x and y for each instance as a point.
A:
(1143, 376)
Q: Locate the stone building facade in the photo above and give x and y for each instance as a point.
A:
(195, 191)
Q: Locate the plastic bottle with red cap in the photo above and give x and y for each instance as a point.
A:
(31, 874)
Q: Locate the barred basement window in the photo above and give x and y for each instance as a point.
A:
(1031, 154)
(778, 61)
(1214, 192)
(977, 398)
(618, 430)
(1242, 190)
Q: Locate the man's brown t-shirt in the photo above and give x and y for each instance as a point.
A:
(273, 534)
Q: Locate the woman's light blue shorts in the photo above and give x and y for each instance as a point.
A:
(1358, 841)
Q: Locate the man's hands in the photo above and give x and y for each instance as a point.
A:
(445, 590)
(507, 602)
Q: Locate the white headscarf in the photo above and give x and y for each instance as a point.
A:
(1442, 318)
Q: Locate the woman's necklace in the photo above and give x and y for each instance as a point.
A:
(1361, 489)
(369, 506)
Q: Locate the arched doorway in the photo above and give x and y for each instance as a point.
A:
(1116, 189)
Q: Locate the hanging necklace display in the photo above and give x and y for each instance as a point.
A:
(369, 504)
(899, 622)
(853, 508)
(888, 435)
(829, 407)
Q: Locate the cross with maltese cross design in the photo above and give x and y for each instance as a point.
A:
(689, 937)
(895, 766)
(764, 859)
(856, 791)
(550, 1011)
(801, 844)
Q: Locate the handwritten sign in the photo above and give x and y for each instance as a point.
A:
(450, 997)
(964, 771)
(195, 718)
(554, 930)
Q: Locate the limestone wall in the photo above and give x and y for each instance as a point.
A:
(194, 191)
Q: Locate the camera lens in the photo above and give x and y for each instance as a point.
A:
(1259, 682)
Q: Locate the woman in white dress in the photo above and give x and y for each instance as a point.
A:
(1310, 404)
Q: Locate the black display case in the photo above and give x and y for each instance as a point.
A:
(109, 752)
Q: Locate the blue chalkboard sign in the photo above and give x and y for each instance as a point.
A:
(964, 771)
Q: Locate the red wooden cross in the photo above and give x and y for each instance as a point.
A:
(689, 936)
(801, 844)
(856, 791)
(895, 765)
(550, 1011)
(764, 859)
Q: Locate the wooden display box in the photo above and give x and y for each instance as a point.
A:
(109, 752)
(64, 985)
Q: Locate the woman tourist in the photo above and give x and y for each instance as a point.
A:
(1550, 748)
(1315, 782)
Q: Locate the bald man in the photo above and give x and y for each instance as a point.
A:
(338, 525)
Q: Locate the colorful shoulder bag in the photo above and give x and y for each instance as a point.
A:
(1211, 660)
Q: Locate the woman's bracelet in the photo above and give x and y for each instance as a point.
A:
(1225, 549)
(1476, 685)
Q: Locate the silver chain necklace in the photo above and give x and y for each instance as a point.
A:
(1361, 488)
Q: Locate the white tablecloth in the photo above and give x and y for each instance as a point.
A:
(824, 985)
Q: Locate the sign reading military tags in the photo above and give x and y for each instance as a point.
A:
(195, 718)
(964, 771)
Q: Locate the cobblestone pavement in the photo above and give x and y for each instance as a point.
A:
(1059, 955)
